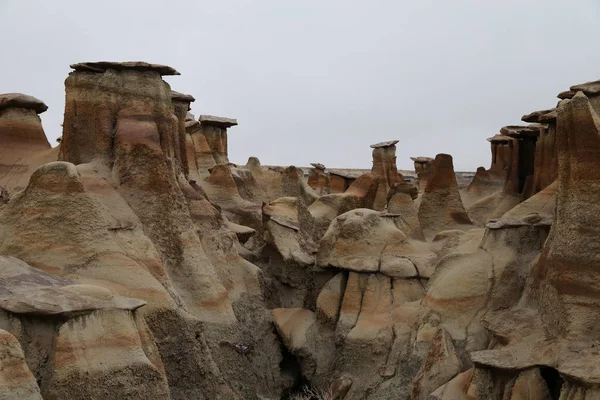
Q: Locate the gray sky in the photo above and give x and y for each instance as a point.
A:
(321, 80)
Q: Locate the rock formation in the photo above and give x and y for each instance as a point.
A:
(318, 180)
(384, 168)
(137, 261)
(423, 170)
(441, 207)
(24, 144)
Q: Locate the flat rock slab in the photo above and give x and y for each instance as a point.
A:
(499, 138)
(384, 144)
(520, 131)
(27, 290)
(567, 94)
(551, 116)
(20, 100)
(102, 66)
(422, 160)
(186, 98)
(318, 165)
(587, 87)
(220, 122)
(534, 116)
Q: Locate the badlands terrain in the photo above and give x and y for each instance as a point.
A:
(138, 262)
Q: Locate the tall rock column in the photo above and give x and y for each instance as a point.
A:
(384, 168)
(95, 95)
(423, 170)
(215, 131)
(181, 106)
(21, 137)
(317, 179)
(545, 168)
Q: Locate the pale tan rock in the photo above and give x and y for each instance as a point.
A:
(441, 364)
(384, 168)
(456, 389)
(95, 352)
(16, 380)
(20, 100)
(530, 385)
(351, 304)
(24, 144)
(221, 122)
(360, 194)
(330, 298)
(441, 207)
(357, 241)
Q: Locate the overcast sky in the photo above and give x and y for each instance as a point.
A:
(321, 80)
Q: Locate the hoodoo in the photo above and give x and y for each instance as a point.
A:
(23, 143)
(137, 261)
(441, 207)
(384, 168)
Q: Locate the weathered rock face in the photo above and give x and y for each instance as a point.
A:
(555, 318)
(145, 265)
(212, 140)
(24, 144)
(101, 101)
(361, 194)
(16, 380)
(520, 171)
(384, 168)
(423, 168)
(318, 180)
(441, 207)
(119, 219)
(181, 107)
(402, 207)
(491, 181)
(546, 158)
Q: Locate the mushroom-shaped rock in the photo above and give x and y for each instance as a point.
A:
(441, 207)
(23, 143)
(384, 167)
(389, 143)
(102, 66)
(20, 100)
